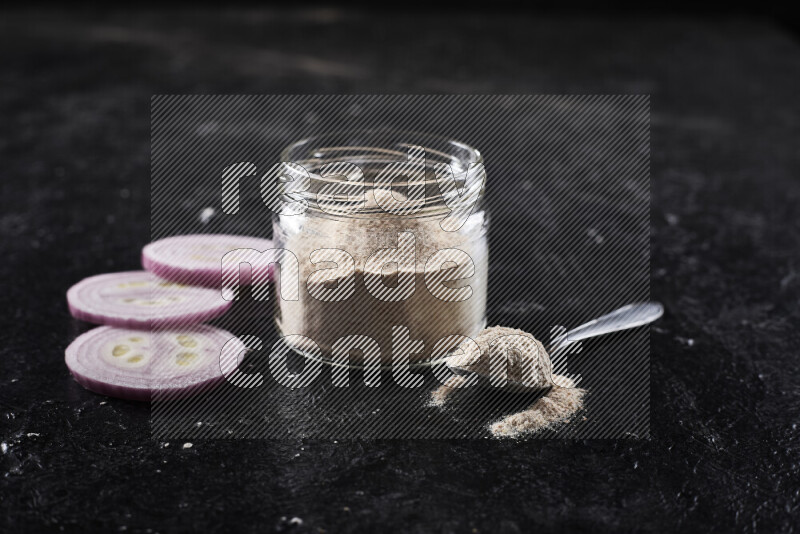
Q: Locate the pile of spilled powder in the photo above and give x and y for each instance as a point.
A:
(527, 364)
(557, 406)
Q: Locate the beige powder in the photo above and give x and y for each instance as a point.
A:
(525, 358)
(440, 395)
(427, 317)
(528, 363)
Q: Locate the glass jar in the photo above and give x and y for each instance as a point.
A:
(389, 230)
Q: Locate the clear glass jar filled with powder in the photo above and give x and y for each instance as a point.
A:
(389, 232)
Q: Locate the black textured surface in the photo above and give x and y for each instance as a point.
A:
(74, 146)
(561, 167)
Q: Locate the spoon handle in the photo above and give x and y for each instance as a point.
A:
(629, 316)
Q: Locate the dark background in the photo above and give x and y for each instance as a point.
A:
(569, 237)
(75, 89)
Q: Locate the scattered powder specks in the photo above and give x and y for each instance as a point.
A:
(206, 215)
(528, 363)
(439, 396)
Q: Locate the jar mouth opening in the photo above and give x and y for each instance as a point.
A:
(382, 140)
(420, 165)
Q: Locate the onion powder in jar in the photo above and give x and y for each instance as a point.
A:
(389, 232)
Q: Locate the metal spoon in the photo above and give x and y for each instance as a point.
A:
(627, 317)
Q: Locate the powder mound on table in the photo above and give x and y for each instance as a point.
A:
(528, 363)
(440, 395)
(557, 406)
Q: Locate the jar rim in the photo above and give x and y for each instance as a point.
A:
(406, 135)
(381, 146)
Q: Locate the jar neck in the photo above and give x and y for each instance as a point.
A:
(376, 184)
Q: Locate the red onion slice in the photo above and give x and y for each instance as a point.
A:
(138, 299)
(197, 259)
(136, 365)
